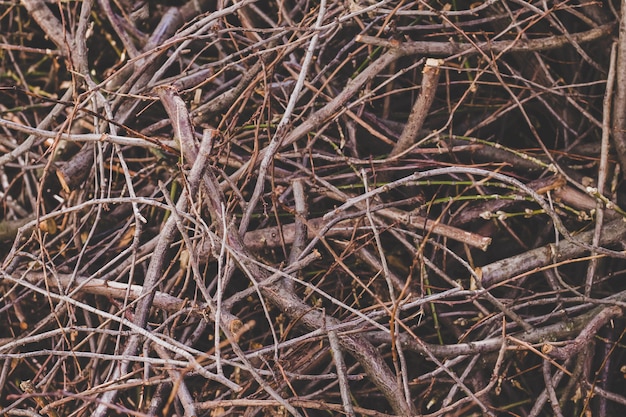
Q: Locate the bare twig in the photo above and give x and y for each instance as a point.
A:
(495, 47)
(603, 167)
(341, 373)
(430, 78)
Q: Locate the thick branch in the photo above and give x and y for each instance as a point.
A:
(495, 47)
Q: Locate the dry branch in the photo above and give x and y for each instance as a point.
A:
(421, 107)
(552, 254)
(491, 47)
(251, 208)
(619, 104)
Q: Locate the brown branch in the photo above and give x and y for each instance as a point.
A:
(421, 107)
(619, 102)
(566, 328)
(296, 309)
(518, 265)
(547, 378)
(112, 289)
(603, 167)
(303, 403)
(495, 47)
(157, 262)
(275, 236)
(585, 336)
(312, 122)
(50, 25)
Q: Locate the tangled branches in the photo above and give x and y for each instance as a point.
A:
(312, 208)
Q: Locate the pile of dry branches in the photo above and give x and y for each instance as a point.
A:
(311, 208)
